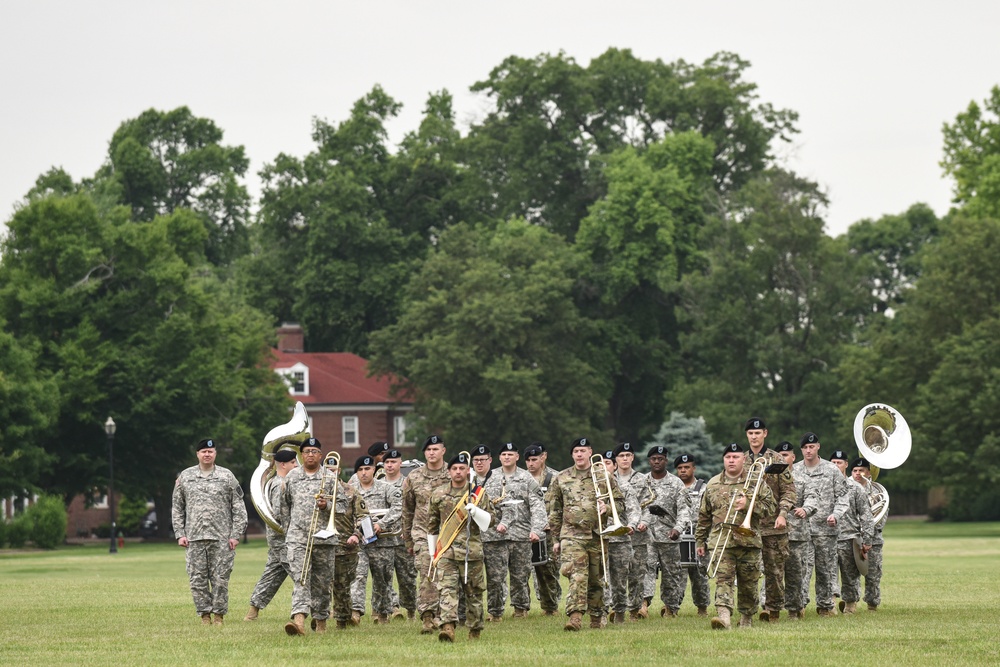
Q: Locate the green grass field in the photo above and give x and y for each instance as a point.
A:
(79, 605)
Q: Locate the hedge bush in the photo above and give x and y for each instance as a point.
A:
(48, 522)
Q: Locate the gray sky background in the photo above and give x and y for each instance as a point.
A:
(873, 81)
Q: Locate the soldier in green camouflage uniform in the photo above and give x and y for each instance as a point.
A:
(799, 543)
(276, 569)
(856, 523)
(209, 517)
(298, 501)
(669, 515)
(740, 562)
(545, 576)
(417, 489)
(829, 486)
(574, 521)
(385, 504)
(619, 549)
(636, 482)
(773, 528)
(460, 565)
(685, 466)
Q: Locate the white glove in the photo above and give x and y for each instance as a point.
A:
(432, 542)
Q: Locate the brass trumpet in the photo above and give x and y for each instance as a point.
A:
(330, 461)
(602, 492)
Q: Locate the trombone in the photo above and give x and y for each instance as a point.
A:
(330, 461)
(602, 492)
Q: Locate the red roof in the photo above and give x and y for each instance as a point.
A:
(338, 378)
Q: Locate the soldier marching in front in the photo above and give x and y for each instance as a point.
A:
(668, 516)
(856, 524)
(276, 569)
(575, 519)
(685, 465)
(546, 576)
(740, 560)
(628, 478)
(385, 505)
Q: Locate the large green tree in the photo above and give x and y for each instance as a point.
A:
(972, 157)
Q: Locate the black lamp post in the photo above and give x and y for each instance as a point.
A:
(109, 428)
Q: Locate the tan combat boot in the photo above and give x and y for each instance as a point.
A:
(206, 619)
(474, 633)
(644, 609)
(703, 611)
(596, 622)
(872, 607)
(252, 614)
(520, 613)
(355, 617)
(848, 607)
(428, 618)
(826, 612)
(218, 619)
(320, 626)
(549, 612)
(296, 626)
(721, 620)
(634, 615)
(447, 633)
(397, 614)
(618, 618)
(746, 621)
(574, 623)
(382, 619)
(495, 618)
(668, 613)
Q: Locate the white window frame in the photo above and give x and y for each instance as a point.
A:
(399, 431)
(289, 376)
(355, 429)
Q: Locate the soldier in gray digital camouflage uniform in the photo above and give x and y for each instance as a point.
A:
(829, 486)
(694, 488)
(276, 569)
(861, 472)
(619, 549)
(856, 523)
(385, 505)
(546, 575)
(402, 560)
(725, 501)
(669, 515)
(417, 489)
(575, 517)
(209, 517)
(636, 482)
(800, 552)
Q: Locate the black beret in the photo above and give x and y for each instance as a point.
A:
(508, 447)
(579, 442)
(609, 455)
(363, 461)
(624, 447)
(481, 450)
(754, 423)
(732, 448)
(784, 446)
(656, 450)
(860, 463)
(377, 448)
(284, 455)
(683, 458)
(460, 459)
(392, 454)
(839, 454)
(533, 450)
(311, 442)
(432, 440)
(207, 443)
(808, 439)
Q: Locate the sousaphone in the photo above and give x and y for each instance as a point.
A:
(289, 435)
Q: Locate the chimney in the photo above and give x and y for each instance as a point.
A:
(290, 337)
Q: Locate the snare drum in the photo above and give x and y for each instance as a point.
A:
(689, 553)
(539, 552)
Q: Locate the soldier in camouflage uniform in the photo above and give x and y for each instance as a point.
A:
(668, 516)
(209, 517)
(636, 482)
(619, 549)
(799, 543)
(298, 502)
(385, 505)
(861, 472)
(856, 523)
(521, 520)
(545, 576)
(829, 486)
(694, 488)
(417, 490)
(773, 529)
(460, 565)
(575, 517)
(402, 560)
(740, 562)
(276, 569)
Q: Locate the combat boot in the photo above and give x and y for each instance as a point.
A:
(320, 626)
(428, 618)
(218, 619)
(872, 607)
(746, 621)
(644, 609)
(474, 633)
(252, 614)
(721, 620)
(355, 617)
(381, 619)
(549, 612)
(633, 615)
(495, 618)
(618, 617)
(775, 616)
(411, 615)
(447, 633)
(296, 626)
(206, 619)
(397, 614)
(520, 613)
(848, 607)
(341, 625)
(668, 613)
(574, 623)
(794, 614)
(596, 622)
(703, 611)
(826, 612)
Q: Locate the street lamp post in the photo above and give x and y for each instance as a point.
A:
(109, 428)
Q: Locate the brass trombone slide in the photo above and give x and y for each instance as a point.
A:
(331, 460)
(603, 494)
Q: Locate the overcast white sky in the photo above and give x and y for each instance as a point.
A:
(873, 82)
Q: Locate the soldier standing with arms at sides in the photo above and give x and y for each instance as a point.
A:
(298, 501)
(693, 490)
(465, 551)
(276, 568)
(574, 521)
(619, 549)
(773, 528)
(547, 586)
(829, 485)
(669, 516)
(861, 472)
(856, 522)
(209, 517)
(800, 552)
(385, 504)
(494, 550)
(417, 489)
(740, 561)
(628, 478)
(402, 560)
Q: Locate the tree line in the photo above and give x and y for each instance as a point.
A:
(612, 250)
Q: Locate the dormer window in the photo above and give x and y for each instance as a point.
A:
(297, 378)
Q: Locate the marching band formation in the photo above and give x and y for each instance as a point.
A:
(453, 529)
